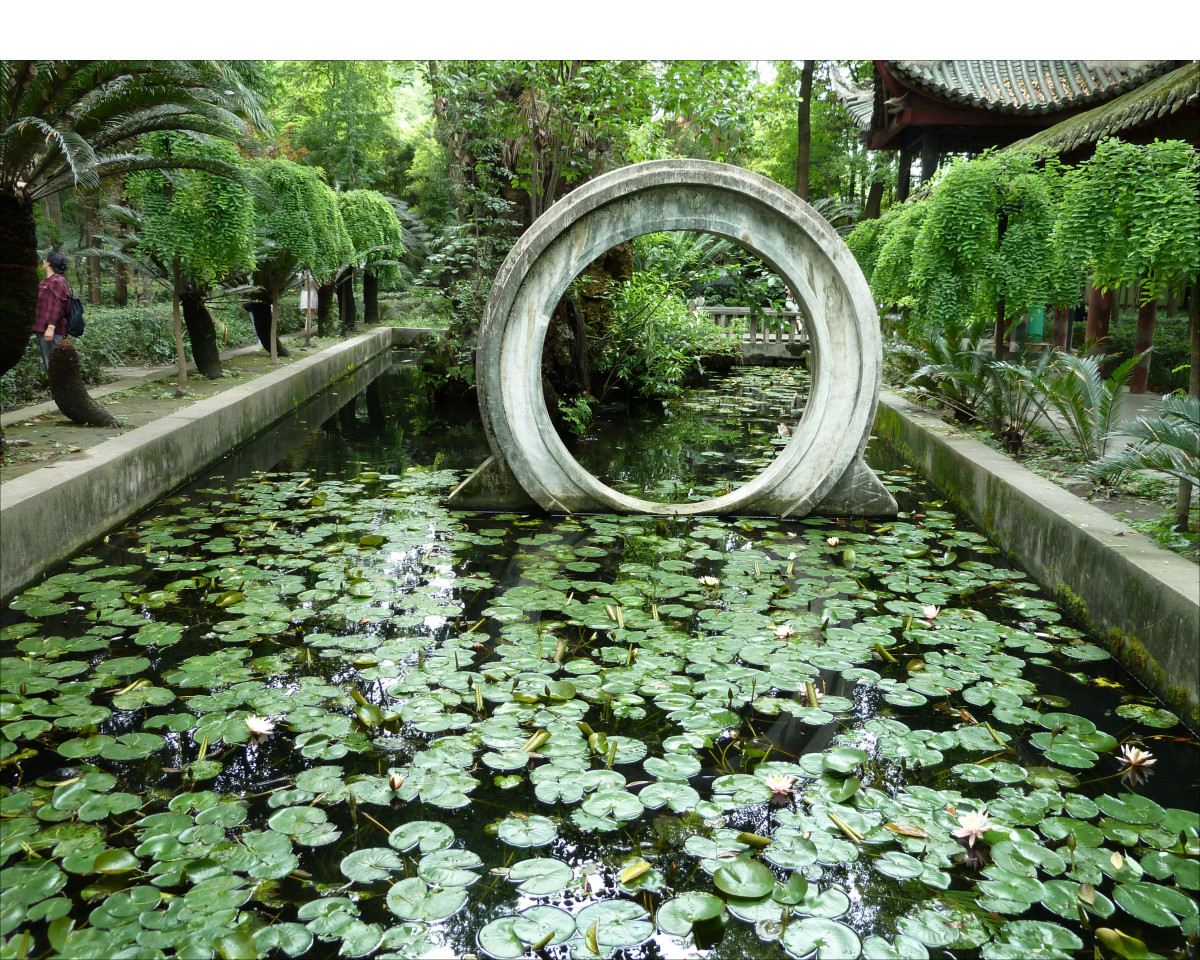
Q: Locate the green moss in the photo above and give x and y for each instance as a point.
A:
(1073, 606)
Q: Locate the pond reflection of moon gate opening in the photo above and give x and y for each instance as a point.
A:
(821, 468)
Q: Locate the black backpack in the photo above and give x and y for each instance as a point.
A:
(75, 322)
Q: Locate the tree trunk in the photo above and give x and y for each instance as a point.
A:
(347, 310)
(1002, 325)
(180, 356)
(370, 296)
(1143, 340)
(804, 129)
(275, 327)
(874, 202)
(121, 269)
(1062, 324)
(1172, 299)
(1183, 500)
(18, 278)
(68, 391)
(93, 263)
(202, 332)
(1096, 332)
(324, 308)
(121, 284)
(260, 313)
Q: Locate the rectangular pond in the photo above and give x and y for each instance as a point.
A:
(301, 708)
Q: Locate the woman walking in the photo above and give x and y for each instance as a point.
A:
(54, 296)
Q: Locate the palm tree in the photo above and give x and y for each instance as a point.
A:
(67, 123)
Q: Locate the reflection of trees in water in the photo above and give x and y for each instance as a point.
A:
(722, 433)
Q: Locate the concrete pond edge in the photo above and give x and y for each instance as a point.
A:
(1139, 599)
(50, 514)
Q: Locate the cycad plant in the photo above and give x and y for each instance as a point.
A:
(1002, 396)
(65, 123)
(1168, 443)
(1087, 404)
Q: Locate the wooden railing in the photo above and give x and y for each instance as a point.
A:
(739, 325)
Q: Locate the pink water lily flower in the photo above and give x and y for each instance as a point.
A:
(972, 826)
(779, 784)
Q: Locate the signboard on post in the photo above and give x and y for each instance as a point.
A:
(308, 303)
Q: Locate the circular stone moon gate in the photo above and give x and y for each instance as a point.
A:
(819, 471)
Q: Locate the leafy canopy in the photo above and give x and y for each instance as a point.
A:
(373, 228)
(204, 219)
(300, 226)
(1130, 212)
(72, 122)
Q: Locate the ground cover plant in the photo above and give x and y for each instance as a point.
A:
(304, 714)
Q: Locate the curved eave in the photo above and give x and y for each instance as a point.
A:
(1156, 101)
(1025, 87)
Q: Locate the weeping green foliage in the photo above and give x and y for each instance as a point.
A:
(204, 219)
(300, 226)
(986, 238)
(863, 242)
(891, 276)
(374, 230)
(1169, 442)
(1130, 212)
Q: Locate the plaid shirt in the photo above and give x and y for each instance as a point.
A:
(53, 295)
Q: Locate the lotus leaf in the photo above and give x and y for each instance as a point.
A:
(414, 899)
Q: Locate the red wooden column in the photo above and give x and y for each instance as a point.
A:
(1099, 305)
(1062, 318)
(1143, 340)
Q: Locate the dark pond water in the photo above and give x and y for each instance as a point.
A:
(580, 736)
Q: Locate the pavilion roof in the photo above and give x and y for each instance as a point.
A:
(1153, 102)
(1027, 86)
(979, 103)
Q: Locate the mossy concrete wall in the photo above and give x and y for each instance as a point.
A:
(50, 514)
(1142, 601)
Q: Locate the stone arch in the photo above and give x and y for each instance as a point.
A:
(821, 465)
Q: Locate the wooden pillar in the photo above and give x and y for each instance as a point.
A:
(1062, 322)
(1143, 340)
(904, 176)
(1099, 305)
(929, 155)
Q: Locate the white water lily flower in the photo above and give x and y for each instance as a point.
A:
(931, 612)
(260, 727)
(783, 631)
(396, 781)
(832, 541)
(972, 826)
(709, 582)
(1133, 756)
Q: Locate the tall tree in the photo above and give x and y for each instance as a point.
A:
(65, 123)
(374, 231)
(206, 224)
(985, 245)
(300, 228)
(337, 115)
(1129, 215)
(804, 129)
